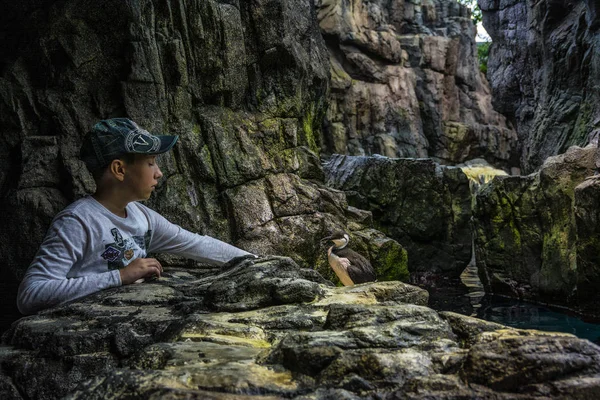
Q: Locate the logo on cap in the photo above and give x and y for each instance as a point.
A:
(140, 142)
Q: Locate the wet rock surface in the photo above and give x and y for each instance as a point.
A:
(169, 339)
(422, 205)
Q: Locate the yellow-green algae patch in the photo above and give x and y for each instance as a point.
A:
(374, 293)
(226, 340)
(218, 326)
(242, 378)
(482, 173)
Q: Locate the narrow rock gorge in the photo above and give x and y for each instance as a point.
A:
(262, 93)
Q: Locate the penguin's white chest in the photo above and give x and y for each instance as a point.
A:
(340, 265)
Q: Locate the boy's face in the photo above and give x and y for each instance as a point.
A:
(142, 176)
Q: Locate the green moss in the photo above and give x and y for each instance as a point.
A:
(293, 106)
(308, 122)
(196, 129)
(402, 114)
(582, 125)
(270, 124)
(392, 263)
(457, 133)
(275, 145)
(558, 255)
(153, 357)
(207, 162)
(591, 244)
(516, 235)
(338, 74)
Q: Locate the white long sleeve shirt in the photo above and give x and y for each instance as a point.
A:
(87, 244)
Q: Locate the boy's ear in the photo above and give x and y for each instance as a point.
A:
(117, 169)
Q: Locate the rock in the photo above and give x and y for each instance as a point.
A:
(588, 244)
(388, 257)
(493, 362)
(525, 230)
(247, 104)
(161, 339)
(39, 204)
(376, 292)
(467, 329)
(406, 83)
(252, 285)
(540, 78)
(330, 356)
(423, 206)
(159, 385)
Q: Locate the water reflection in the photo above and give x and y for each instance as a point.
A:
(466, 296)
(525, 315)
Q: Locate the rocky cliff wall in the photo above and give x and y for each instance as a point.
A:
(244, 101)
(535, 235)
(244, 84)
(543, 69)
(424, 206)
(405, 82)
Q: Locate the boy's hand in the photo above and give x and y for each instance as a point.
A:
(140, 268)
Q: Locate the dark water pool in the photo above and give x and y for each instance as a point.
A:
(466, 296)
(525, 315)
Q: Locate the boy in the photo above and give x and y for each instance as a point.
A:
(101, 241)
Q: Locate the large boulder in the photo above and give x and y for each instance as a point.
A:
(526, 234)
(268, 329)
(424, 206)
(543, 67)
(523, 362)
(405, 82)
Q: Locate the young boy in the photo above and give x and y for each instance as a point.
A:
(101, 241)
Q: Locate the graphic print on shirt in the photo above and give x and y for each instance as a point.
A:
(125, 249)
(117, 237)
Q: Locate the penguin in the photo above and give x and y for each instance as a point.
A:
(348, 265)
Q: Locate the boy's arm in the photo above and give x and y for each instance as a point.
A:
(46, 284)
(173, 239)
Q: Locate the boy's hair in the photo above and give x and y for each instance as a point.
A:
(128, 158)
(120, 138)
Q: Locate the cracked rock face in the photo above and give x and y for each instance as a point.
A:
(243, 85)
(405, 82)
(185, 68)
(529, 242)
(169, 339)
(542, 66)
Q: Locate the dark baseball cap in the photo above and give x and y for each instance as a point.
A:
(111, 138)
